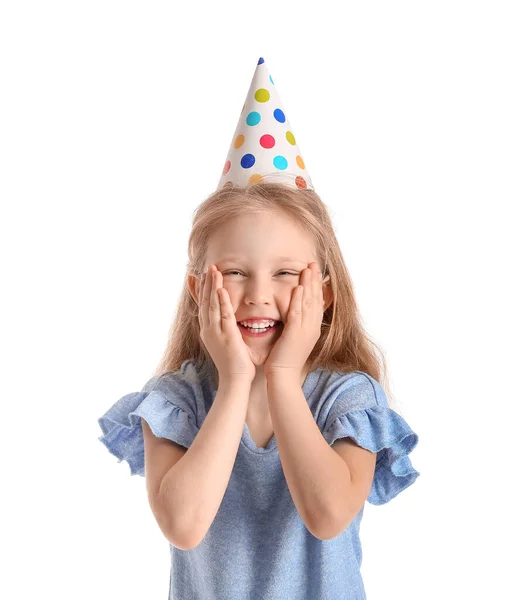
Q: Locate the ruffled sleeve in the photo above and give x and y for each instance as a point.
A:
(361, 412)
(121, 424)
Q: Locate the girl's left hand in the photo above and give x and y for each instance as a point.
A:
(303, 325)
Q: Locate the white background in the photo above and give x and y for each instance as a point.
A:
(115, 121)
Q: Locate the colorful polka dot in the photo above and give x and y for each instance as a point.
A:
(256, 178)
(279, 115)
(280, 163)
(253, 154)
(300, 182)
(262, 95)
(253, 118)
(248, 161)
(267, 141)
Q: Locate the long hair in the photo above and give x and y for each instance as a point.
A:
(343, 344)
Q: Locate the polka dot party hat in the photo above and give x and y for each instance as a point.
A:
(263, 147)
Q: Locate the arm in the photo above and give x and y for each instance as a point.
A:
(326, 494)
(192, 490)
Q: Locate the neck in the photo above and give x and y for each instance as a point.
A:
(259, 382)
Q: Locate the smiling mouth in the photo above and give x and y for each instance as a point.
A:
(258, 331)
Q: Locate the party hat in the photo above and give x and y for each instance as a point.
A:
(263, 147)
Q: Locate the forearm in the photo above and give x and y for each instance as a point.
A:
(193, 489)
(316, 475)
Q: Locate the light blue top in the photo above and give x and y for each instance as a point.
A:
(258, 547)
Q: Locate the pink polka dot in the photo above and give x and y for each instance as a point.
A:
(267, 141)
(226, 168)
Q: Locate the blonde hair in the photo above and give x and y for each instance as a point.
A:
(343, 344)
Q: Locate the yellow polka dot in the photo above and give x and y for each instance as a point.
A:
(255, 178)
(239, 141)
(300, 162)
(262, 95)
(290, 137)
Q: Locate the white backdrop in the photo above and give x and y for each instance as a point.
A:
(115, 121)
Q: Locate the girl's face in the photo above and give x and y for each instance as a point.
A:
(261, 258)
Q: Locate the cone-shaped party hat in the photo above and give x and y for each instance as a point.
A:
(263, 147)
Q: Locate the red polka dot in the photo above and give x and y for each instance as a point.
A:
(300, 182)
(226, 168)
(267, 141)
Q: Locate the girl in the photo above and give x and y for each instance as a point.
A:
(266, 427)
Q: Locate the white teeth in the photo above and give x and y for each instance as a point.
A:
(258, 324)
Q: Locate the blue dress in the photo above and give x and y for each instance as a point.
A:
(258, 547)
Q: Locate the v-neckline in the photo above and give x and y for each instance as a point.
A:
(248, 441)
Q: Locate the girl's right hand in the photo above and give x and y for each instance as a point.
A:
(219, 331)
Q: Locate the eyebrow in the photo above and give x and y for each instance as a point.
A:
(287, 258)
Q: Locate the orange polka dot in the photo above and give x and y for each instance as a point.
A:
(300, 182)
(226, 168)
(255, 178)
(300, 162)
(239, 141)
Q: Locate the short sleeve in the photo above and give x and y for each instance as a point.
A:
(164, 404)
(360, 411)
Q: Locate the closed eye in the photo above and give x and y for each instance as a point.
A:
(280, 272)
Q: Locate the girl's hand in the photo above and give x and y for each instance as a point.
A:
(302, 328)
(219, 330)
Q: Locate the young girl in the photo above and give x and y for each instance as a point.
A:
(260, 444)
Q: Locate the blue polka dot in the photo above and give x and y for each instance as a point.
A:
(279, 115)
(280, 162)
(261, 61)
(271, 80)
(253, 118)
(248, 161)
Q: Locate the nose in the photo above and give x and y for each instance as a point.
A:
(258, 290)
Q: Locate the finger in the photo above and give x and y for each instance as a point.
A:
(317, 285)
(228, 318)
(296, 305)
(317, 277)
(205, 297)
(214, 308)
(200, 297)
(307, 291)
(310, 293)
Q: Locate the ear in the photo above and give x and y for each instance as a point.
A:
(327, 293)
(194, 286)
